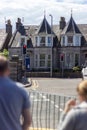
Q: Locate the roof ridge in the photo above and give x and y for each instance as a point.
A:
(73, 25)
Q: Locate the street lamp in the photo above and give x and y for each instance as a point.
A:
(51, 66)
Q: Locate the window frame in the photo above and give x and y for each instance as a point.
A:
(49, 39)
(42, 60)
(42, 43)
(76, 59)
(68, 40)
(77, 40)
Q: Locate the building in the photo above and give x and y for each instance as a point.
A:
(69, 40)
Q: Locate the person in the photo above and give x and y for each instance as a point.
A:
(14, 101)
(74, 117)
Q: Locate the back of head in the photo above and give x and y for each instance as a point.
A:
(3, 65)
(82, 89)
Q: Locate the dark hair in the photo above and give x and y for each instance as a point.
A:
(3, 64)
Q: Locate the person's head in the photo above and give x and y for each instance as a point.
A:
(82, 91)
(4, 66)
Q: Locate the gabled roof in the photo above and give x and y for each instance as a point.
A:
(71, 27)
(44, 27)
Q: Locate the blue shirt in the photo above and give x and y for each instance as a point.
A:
(13, 100)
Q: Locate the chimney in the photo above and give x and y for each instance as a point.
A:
(62, 23)
(18, 24)
(9, 27)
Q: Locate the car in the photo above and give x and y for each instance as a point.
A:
(84, 73)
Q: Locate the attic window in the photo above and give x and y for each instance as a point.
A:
(42, 41)
(70, 39)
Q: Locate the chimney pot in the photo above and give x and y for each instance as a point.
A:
(62, 23)
(9, 27)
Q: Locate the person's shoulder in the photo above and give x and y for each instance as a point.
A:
(74, 112)
(21, 88)
(19, 85)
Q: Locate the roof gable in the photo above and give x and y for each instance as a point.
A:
(71, 27)
(44, 27)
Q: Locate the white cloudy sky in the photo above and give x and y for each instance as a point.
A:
(33, 10)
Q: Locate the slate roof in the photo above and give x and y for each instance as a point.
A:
(83, 29)
(71, 27)
(44, 27)
(14, 42)
(3, 36)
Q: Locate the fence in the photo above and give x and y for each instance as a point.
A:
(46, 109)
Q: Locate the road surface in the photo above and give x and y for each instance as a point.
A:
(48, 101)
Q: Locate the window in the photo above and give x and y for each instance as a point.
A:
(76, 59)
(48, 64)
(69, 60)
(77, 41)
(22, 41)
(63, 40)
(42, 41)
(42, 60)
(70, 39)
(49, 57)
(36, 57)
(49, 41)
(36, 60)
(49, 61)
(36, 39)
(36, 63)
(42, 56)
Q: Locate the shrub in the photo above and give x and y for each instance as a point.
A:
(5, 53)
(76, 69)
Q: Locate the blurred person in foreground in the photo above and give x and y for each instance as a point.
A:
(74, 117)
(14, 101)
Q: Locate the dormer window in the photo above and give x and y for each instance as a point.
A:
(42, 41)
(36, 40)
(63, 40)
(70, 39)
(77, 41)
(49, 41)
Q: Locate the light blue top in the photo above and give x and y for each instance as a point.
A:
(76, 119)
(13, 100)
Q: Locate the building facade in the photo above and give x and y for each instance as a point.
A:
(46, 44)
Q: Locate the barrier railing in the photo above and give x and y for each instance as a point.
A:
(46, 109)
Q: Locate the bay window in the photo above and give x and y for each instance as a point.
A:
(42, 60)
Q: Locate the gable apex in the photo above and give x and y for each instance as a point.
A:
(71, 27)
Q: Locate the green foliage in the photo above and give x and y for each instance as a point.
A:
(76, 69)
(5, 53)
